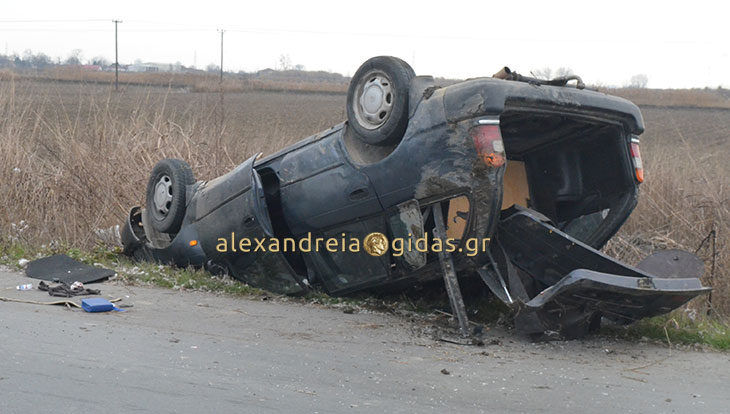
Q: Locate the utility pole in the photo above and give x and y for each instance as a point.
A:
(221, 104)
(222, 31)
(116, 55)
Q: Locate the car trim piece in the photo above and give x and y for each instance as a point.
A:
(316, 172)
(488, 121)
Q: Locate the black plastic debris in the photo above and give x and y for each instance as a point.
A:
(63, 269)
(65, 291)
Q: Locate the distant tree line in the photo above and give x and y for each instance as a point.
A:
(28, 60)
(285, 71)
(549, 73)
(640, 80)
(40, 60)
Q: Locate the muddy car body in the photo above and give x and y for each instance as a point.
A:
(544, 173)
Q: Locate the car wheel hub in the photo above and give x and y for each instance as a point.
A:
(375, 100)
(163, 196)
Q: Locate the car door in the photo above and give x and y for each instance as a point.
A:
(230, 215)
(324, 196)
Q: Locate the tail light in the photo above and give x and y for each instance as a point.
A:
(488, 142)
(636, 159)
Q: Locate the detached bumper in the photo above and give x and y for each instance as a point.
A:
(560, 285)
(620, 298)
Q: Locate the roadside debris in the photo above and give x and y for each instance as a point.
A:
(98, 305)
(67, 303)
(110, 236)
(66, 291)
(63, 269)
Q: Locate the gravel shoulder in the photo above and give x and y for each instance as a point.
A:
(199, 352)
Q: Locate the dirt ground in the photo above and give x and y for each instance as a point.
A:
(197, 352)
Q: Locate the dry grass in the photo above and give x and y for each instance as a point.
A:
(75, 157)
(698, 98)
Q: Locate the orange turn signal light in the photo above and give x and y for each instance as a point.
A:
(640, 175)
(193, 243)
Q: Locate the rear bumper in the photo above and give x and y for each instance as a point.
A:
(561, 285)
(620, 298)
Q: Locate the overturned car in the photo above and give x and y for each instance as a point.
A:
(513, 180)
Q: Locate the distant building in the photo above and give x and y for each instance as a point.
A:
(154, 67)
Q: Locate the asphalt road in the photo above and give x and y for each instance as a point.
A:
(196, 352)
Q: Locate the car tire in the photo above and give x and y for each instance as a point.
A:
(377, 100)
(166, 194)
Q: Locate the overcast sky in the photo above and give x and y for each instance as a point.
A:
(676, 44)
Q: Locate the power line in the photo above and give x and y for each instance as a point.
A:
(54, 30)
(175, 24)
(54, 21)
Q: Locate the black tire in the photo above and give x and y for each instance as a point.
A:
(168, 181)
(377, 100)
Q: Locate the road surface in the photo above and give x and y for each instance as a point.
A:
(181, 352)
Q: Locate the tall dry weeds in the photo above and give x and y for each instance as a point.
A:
(74, 159)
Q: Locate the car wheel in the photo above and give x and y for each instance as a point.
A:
(166, 194)
(377, 100)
